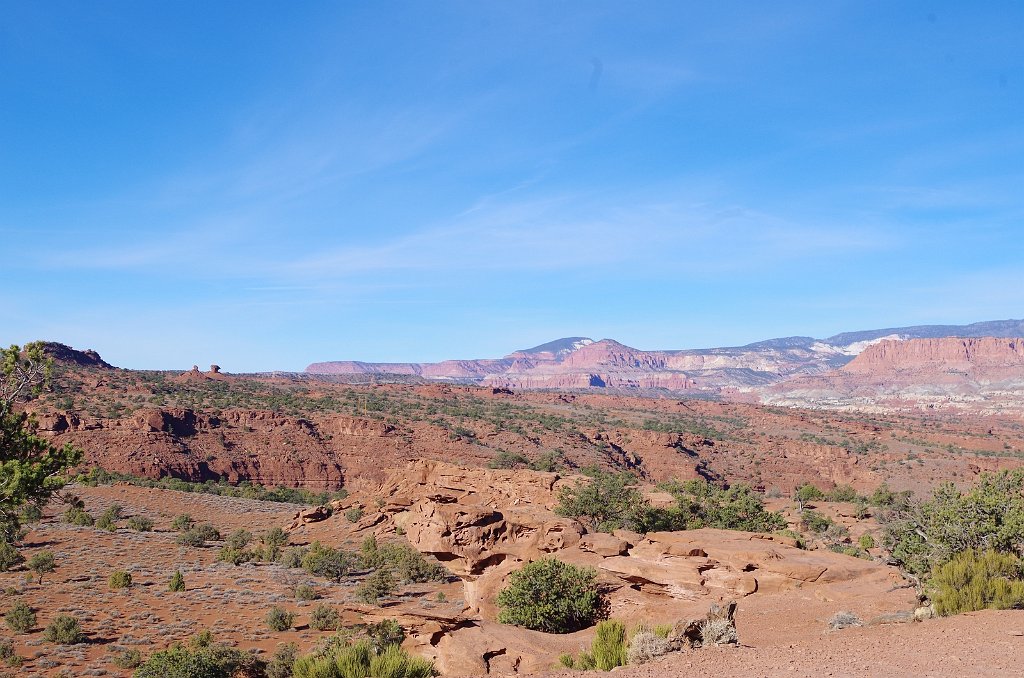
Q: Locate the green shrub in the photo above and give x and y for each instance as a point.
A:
(292, 557)
(6, 649)
(108, 519)
(328, 562)
(182, 523)
(281, 663)
(701, 504)
(238, 539)
(605, 502)
(64, 630)
(609, 648)
(380, 584)
(842, 493)
(406, 562)
(41, 563)
(976, 581)
(210, 661)
(923, 534)
(191, 537)
(279, 619)
(354, 514)
(75, 515)
(177, 583)
(808, 492)
(120, 580)
(508, 460)
(551, 596)
(129, 658)
(306, 592)
(394, 662)
(208, 532)
(20, 618)
(385, 632)
(140, 524)
(227, 554)
(567, 661)
(866, 542)
(9, 556)
(324, 618)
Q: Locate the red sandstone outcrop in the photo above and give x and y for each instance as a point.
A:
(971, 355)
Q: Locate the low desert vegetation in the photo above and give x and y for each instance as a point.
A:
(324, 618)
(64, 630)
(177, 583)
(279, 619)
(339, 657)
(20, 618)
(201, 658)
(551, 596)
(610, 501)
(975, 580)
(42, 562)
(140, 524)
(120, 580)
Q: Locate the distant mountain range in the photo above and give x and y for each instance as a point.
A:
(582, 363)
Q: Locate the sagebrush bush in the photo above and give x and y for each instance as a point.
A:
(844, 620)
(645, 646)
(551, 596)
(64, 630)
(718, 632)
(182, 523)
(324, 618)
(20, 618)
(120, 580)
(140, 524)
(977, 581)
(609, 647)
(177, 583)
(279, 619)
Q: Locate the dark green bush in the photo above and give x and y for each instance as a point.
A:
(385, 632)
(354, 514)
(324, 618)
(976, 581)
(9, 556)
(328, 562)
(128, 658)
(41, 563)
(306, 592)
(120, 580)
(64, 630)
(551, 596)
(20, 618)
(210, 661)
(177, 583)
(78, 516)
(140, 524)
(924, 534)
(380, 584)
(842, 493)
(808, 492)
(279, 619)
(191, 537)
(605, 502)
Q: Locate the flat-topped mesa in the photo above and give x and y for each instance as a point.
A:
(947, 354)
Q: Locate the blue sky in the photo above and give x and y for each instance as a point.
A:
(266, 184)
